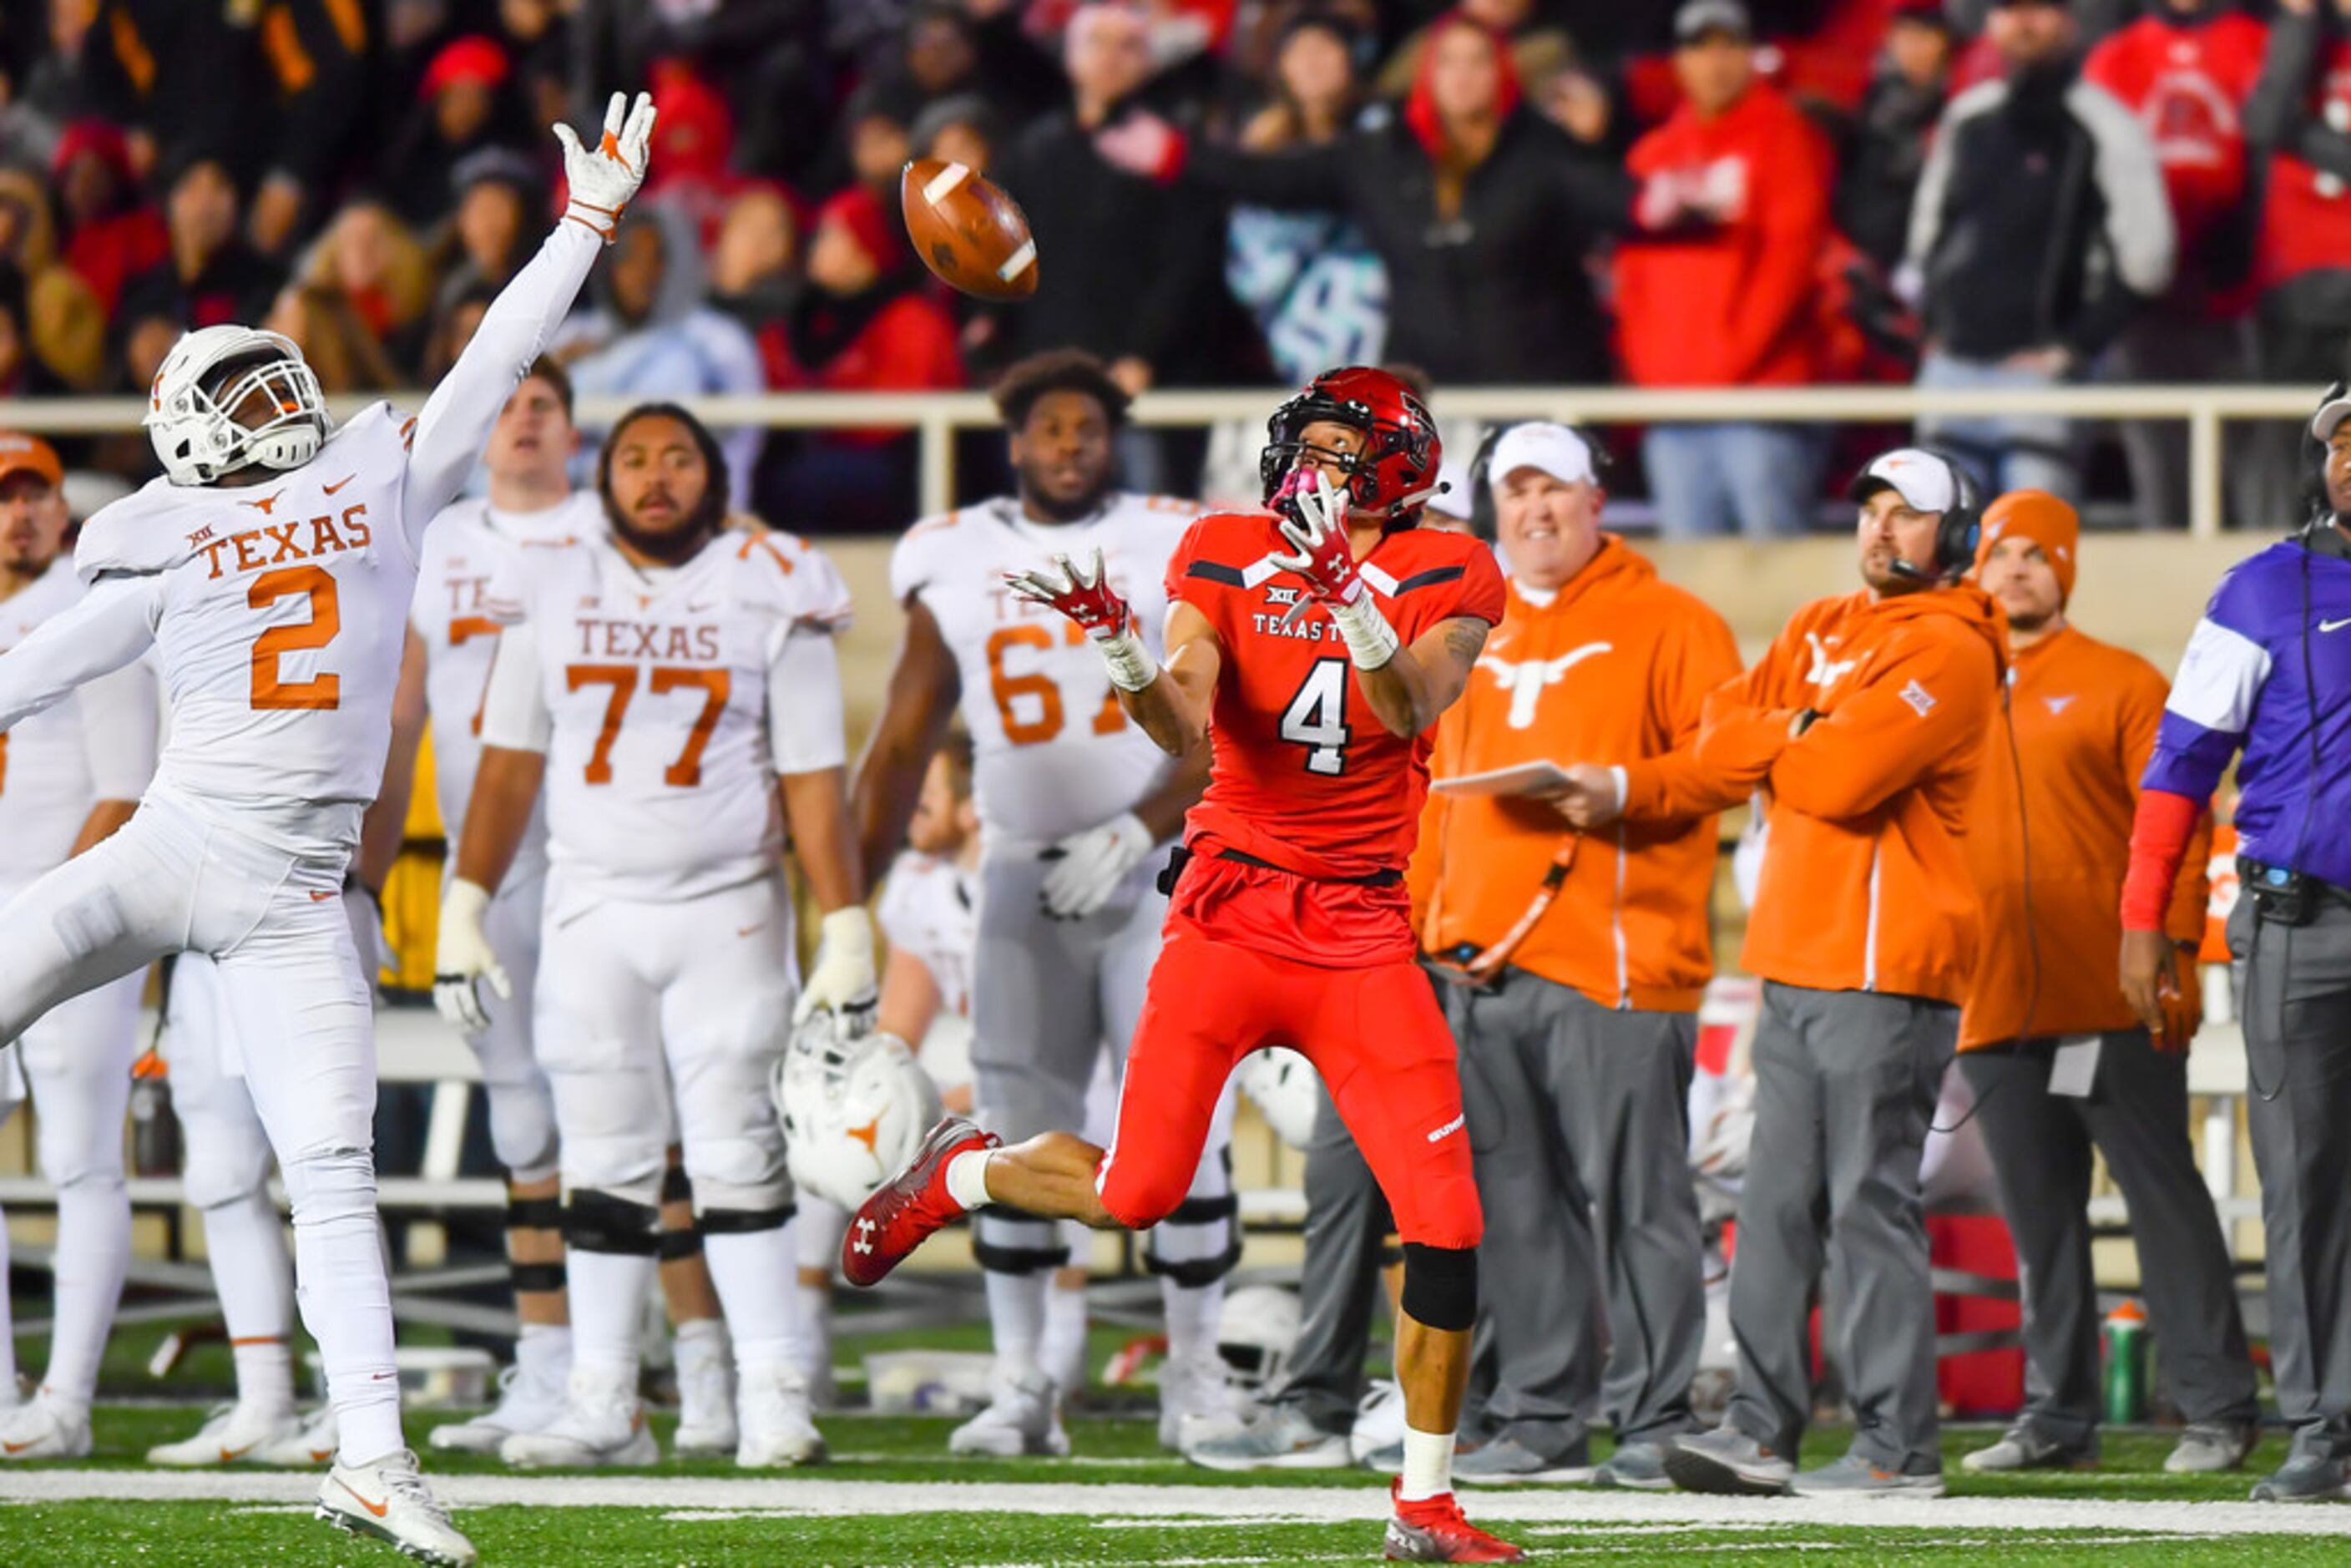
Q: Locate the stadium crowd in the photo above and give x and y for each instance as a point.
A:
(1717, 193)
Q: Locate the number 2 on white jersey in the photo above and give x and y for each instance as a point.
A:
(1316, 718)
(320, 692)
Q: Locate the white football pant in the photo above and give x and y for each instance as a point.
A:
(303, 1017)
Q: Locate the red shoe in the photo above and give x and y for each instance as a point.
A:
(1433, 1530)
(910, 1206)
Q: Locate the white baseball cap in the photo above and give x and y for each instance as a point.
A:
(1925, 480)
(1552, 449)
(1451, 498)
(2330, 415)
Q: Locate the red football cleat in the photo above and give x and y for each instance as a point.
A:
(905, 1210)
(1433, 1530)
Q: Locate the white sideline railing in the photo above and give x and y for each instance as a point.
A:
(937, 416)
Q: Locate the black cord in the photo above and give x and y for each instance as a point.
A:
(2032, 933)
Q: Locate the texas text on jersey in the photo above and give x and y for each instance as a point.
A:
(1304, 777)
(666, 703)
(1034, 693)
(470, 548)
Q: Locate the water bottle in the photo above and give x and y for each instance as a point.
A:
(2126, 1367)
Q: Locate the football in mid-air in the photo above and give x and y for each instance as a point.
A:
(967, 231)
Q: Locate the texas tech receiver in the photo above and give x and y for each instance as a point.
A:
(1315, 647)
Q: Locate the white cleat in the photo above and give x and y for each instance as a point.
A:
(1024, 1419)
(530, 1399)
(234, 1434)
(37, 1429)
(389, 1501)
(602, 1425)
(312, 1443)
(776, 1427)
(705, 1396)
(1198, 1404)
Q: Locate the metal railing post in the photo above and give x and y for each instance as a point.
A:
(2204, 506)
(937, 451)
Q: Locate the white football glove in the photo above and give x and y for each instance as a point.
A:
(1088, 867)
(843, 974)
(464, 956)
(602, 178)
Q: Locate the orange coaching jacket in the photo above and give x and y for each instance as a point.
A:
(1612, 669)
(1865, 886)
(2084, 714)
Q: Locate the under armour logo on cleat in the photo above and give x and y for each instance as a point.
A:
(865, 1229)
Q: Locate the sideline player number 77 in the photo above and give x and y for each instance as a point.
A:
(1314, 646)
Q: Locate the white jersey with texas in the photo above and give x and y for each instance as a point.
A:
(98, 745)
(1054, 752)
(666, 703)
(471, 546)
(930, 910)
(278, 610)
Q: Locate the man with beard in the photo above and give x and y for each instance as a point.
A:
(668, 685)
(1072, 799)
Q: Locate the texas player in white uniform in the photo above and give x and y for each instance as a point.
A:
(1073, 798)
(666, 686)
(67, 778)
(271, 571)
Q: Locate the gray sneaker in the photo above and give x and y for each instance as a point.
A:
(1506, 1461)
(2305, 1478)
(1387, 1459)
(1634, 1467)
(1273, 1437)
(2208, 1448)
(2025, 1447)
(1727, 1460)
(1853, 1476)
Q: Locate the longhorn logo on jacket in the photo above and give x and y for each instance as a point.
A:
(1827, 671)
(1527, 680)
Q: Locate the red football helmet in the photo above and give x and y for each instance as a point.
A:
(1397, 466)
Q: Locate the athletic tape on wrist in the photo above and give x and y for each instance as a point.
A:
(1131, 666)
(1371, 640)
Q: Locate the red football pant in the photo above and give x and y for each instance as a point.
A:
(1375, 1034)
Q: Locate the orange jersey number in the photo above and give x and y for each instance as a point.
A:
(686, 771)
(1044, 720)
(320, 692)
(463, 629)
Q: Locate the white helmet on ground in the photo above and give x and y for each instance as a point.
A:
(1256, 1331)
(188, 417)
(1286, 1089)
(854, 1105)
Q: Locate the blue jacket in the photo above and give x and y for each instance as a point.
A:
(2241, 687)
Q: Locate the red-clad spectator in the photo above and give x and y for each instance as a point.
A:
(694, 139)
(2186, 69)
(2300, 115)
(111, 231)
(1735, 187)
(467, 100)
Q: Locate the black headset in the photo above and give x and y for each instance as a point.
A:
(1482, 490)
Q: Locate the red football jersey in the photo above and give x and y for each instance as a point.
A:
(1303, 774)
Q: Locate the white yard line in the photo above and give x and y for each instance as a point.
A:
(817, 1493)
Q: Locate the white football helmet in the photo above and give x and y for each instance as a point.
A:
(1286, 1089)
(191, 427)
(1255, 1331)
(854, 1105)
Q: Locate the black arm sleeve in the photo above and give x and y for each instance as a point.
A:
(2277, 109)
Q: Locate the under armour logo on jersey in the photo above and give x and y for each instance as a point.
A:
(2058, 705)
(1527, 682)
(1447, 1130)
(1825, 671)
(865, 1229)
(1920, 699)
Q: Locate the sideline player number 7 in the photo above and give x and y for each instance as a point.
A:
(716, 686)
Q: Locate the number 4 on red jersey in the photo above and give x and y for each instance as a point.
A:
(1305, 775)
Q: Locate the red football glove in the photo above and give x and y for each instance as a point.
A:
(1314, 521)
(1082, 593)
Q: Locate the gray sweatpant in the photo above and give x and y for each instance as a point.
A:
(1579, 1124)
(1845, 1083)
(2297, 1017)
(1347, 1223)
(2041, 1153)
(1047, 997)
